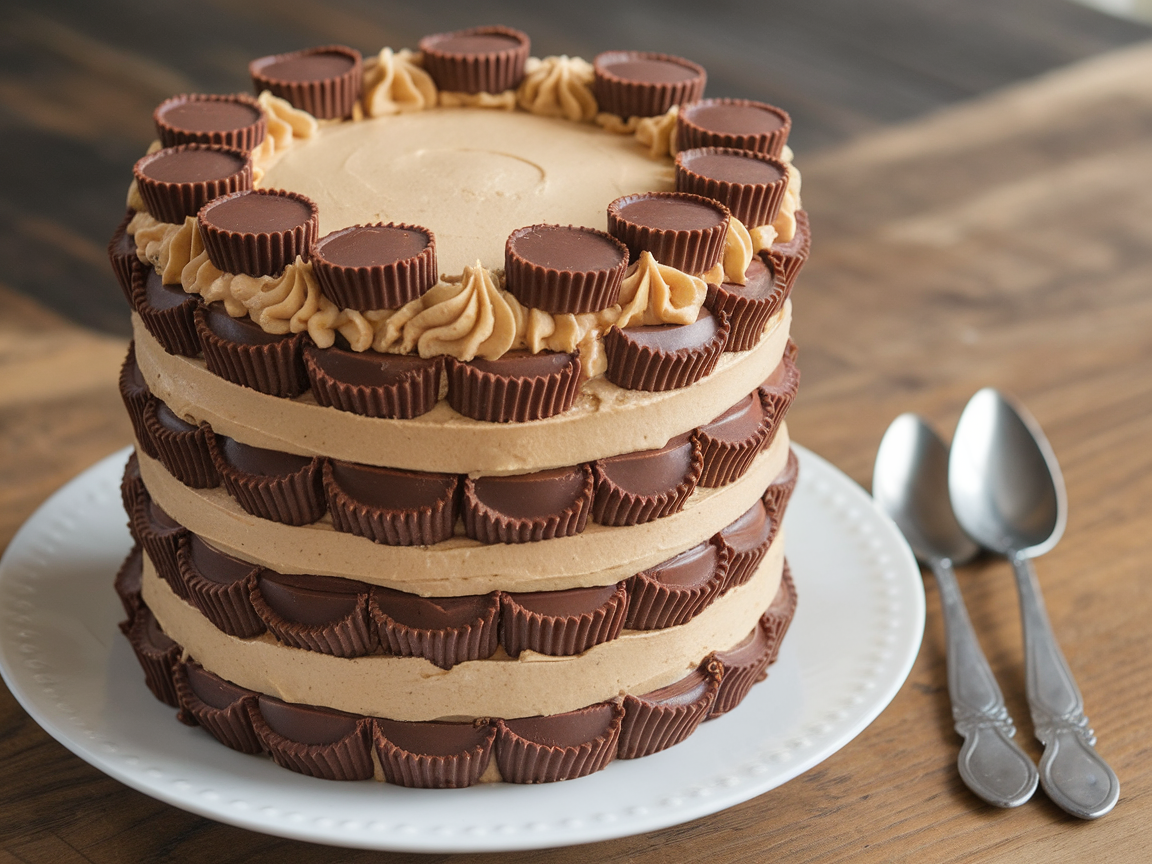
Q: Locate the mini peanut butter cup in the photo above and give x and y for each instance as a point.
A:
(324, 614)
(751, 185)
(789, 257)
(657, 720)
(731, 441)
(122, 255)
(319, 742)
(132, 491)
(157, 655)
(564, 269)
(129, 578)
(160, 535)
(181, 447)
(373, 384)
(234, 120)
(561, 623)
(646, 485)
(643, 84)
(176, 182)
(136, 395)
(777, 495)
(679, 229)
(558, 746)
(677, 590)
(778, 390)
(380, 266)
(524, 508)
(776, 620)
(220, 586)
(220, 706)
(747, 539)
(258, 232)
(167, 311)
(478, 60)
(737, 123)
(281, 487)
(443, 630)
(665, 356)
(433, 755)
(517, 388)
(324, 81)
(389, 506)
(238, 350)
(743, 664)
(748, 306)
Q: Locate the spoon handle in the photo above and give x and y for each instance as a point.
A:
(991, 764)
(1073, 774)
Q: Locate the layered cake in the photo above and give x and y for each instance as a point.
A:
(458, 383)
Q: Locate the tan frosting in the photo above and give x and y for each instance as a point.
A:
(785, 223)
(601, 555)
(558, 87)
(658, 134)
(653, 293)
(286, 124)
(395, 82)
(762, 237)
(617, 124)
(411, 688)
(738, 251)
(505, 101)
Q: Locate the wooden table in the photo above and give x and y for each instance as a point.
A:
(1004, 242)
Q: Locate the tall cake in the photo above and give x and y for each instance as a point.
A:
(458, 383)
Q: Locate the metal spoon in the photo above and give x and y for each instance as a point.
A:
(910, 483)
(1008, 494)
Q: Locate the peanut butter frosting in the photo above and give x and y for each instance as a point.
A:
(286, 124)
(395, 82)
(504, 101)
(558, 87)
(658, 134)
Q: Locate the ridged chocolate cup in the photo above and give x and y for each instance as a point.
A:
(232, 120)
(481, 389)
(275, 367)
(402, 386)
(348, 758)
(136, 396)
(779, 493)
(748, 126)
(424, 525)
(216, 171)
(348, 635)
(644, 84)
(564, 268)
(679, 229)
(475, 639)
(161, 542)
(789, 257)
(157, 655)
(778, 618)
(562, 634)
(637, 362)
(477, 60)
(744, 664)
(243, 249)
(488, 524)
(748, 306)
(224, 601)
(290, 498)
(415, 769)
(167, 312)
(663, 718)
(129, 579)
(747, 539)
(522, 759)
(730, 443)
(751, 185)
(132, 491)
(122, 255)
(615, 504)
(324, 81)
(654, 603)
(183, 451)
(354, 275)
(779, 389)
(230, 724)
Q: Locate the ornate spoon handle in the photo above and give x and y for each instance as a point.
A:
(1073, 774)
(991, 764)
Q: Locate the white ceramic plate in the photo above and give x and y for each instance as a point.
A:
(856, 632)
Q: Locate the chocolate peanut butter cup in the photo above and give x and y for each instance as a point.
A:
(281, 487)
(478, 60)
(220, 706)
(789, 257)
(731, 441)
(129, 579)
(160, 535)
(643, 84)
(751, 185)
(380, 266)
(646, 485)
(389, 506)
(234, 120)
(443, 630)
(524, 508)
(657, 720)
(181, 447)
(776, 620)
(220, 586)
(433, 755)
(132, 491)
(564, 269)
(778, 390)
(562, 623)
(777, 495)
(743, 664)
(558, 746)
(679, 229)
(157, 655)
(677, 590)
(747, 539)
(323, 81)
(748, 306)
(517, 388)
(136, 395)
(373, 384)
(122, 255)
(238, 350)
(665, 356)
(176, 182)
(325, 614)
(319, 742)
(258, 232)
(740, 124)
(167, 311)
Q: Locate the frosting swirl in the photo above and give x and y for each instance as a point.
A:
(505, 101)
(558, 87)
(739, 247)
(658, 134)
(395, 82)
(653, 293)
(285, 124)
